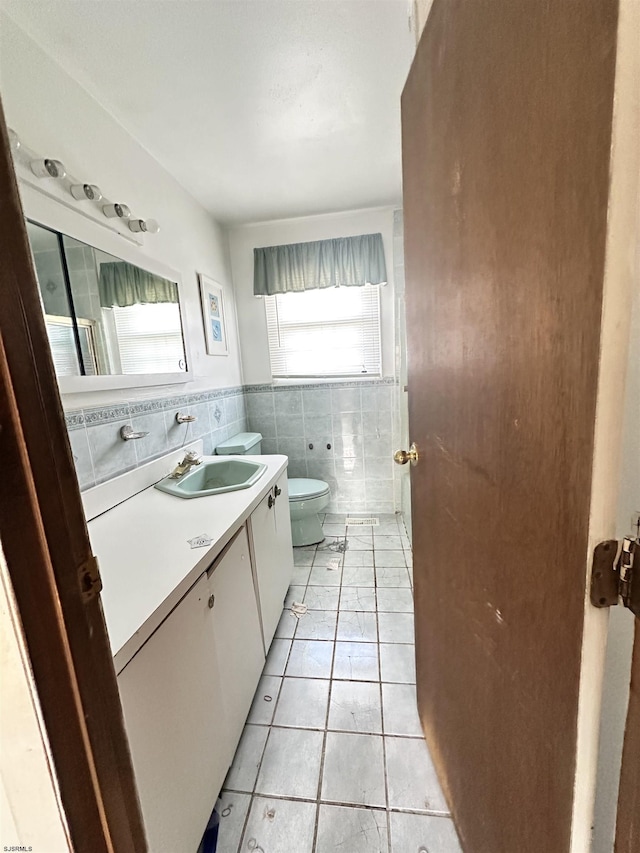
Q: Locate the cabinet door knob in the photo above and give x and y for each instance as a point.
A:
(278, 491)
(211, 602)
(271, 501)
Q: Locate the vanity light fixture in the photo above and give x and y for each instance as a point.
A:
(149, 226)
(113, 211)
(82, 192)
(48, 168)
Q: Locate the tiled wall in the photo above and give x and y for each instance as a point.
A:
(352, 427)
(100, 454)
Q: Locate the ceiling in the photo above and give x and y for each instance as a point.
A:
(261, 109)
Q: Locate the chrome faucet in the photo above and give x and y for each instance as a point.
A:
(191, 458)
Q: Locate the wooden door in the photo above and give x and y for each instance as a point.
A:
(506, 117)
(172, 698)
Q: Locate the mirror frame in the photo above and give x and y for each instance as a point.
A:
(50, 213)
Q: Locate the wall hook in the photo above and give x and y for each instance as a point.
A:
(127, 433)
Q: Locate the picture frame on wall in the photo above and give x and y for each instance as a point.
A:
(215, 330)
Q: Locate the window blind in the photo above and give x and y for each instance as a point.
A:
(63, 348)
(149, 338)
(331, 332)
(63, 345)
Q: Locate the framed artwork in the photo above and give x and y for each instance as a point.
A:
(215, 331)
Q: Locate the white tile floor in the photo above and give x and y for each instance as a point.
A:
(332, 759)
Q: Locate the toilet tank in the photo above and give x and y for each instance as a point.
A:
(242, 444)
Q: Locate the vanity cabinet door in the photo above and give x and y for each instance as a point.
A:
(176, 723)
(238, 639)
(272, 554)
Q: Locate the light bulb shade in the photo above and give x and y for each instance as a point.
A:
(148, 226)
(48, 168)
(14, 141)
(151, 226)
(84, 192)
(116, 211)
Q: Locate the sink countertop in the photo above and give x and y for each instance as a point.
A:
(146, 563)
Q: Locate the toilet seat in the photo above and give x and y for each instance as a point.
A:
(302, 489)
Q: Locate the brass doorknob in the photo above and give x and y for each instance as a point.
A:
(401, 457)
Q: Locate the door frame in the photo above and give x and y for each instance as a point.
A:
(47, 552)
(628, 818)
(620, 278)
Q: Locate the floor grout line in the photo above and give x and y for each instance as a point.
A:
(324, 742)
(244, 824)
(334, 731)
(264, 750)
(328, 678)
(384, 746)
(290, 798)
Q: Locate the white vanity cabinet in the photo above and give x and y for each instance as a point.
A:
(270, 530)
(188, 630)
(176, 723)
(186, 695)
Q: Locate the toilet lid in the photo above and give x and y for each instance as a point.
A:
(300, 488)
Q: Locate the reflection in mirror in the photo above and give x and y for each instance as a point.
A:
(105, 316)
(58, 315)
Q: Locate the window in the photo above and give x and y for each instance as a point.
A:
(62, 341)
(330, 332)
(149, 338)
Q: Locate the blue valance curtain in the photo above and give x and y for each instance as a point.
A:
(343, 261)
(122, 284)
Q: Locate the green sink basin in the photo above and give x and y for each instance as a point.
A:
(214, 478)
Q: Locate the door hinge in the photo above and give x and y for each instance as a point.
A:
(89, 577)
(615, 574)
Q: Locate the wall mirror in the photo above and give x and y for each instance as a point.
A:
(110, 322)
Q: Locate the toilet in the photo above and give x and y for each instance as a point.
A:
(307, 497)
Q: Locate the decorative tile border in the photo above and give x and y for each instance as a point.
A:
(105, 414)
(77, 418)
(74, 419)
(144, 407)
(320, 386)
